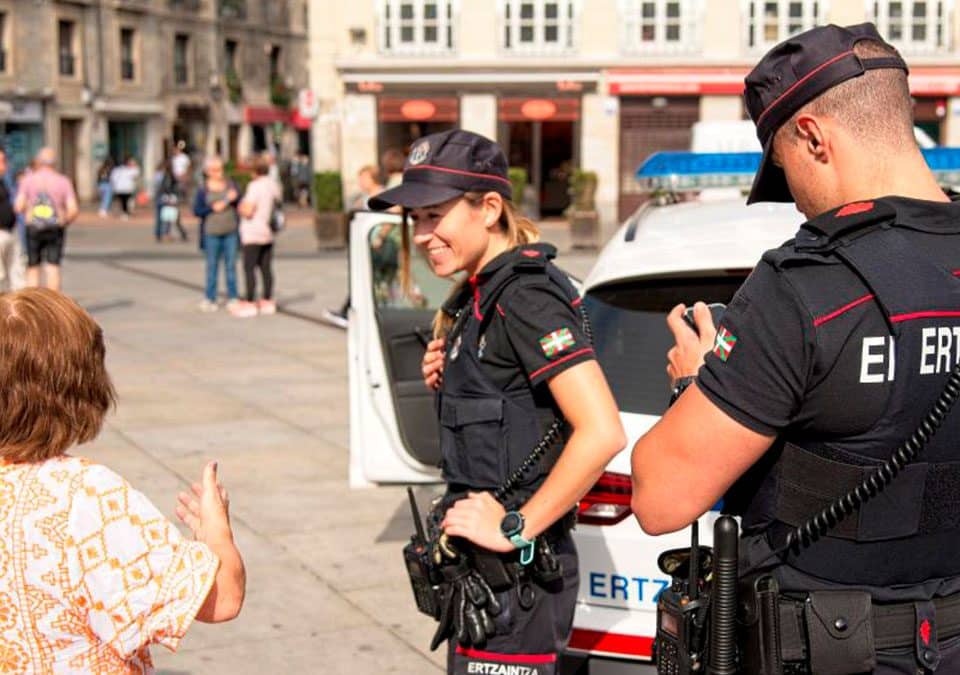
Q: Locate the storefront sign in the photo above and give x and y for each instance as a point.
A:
(26, 112)
(418, 110)
(539, 109)
(308, 104)
(369, 87)
(445, 109)
(254, 114)
(929, 81)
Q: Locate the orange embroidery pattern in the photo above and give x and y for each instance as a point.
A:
(91, 573)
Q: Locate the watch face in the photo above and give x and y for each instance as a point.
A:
(511, 524)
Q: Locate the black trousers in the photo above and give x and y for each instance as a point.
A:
(254, 256)
(531, 636)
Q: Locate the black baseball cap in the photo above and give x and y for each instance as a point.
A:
(445, 165)
(794, 73)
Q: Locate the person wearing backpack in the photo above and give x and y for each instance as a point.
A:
(48, 203)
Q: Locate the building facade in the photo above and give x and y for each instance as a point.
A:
(594, 84)
(119, 78)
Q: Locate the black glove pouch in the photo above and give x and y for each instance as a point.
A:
(840, 632)
(759, 626)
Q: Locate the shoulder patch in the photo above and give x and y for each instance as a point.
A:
(556, 342)
(724, 344)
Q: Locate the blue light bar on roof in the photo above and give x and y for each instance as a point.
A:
(692, 171)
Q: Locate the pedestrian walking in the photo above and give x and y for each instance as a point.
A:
(124, 179)
(511, 351)
(48, 203)
(215, 204)
(166, 203)
(92, 573)
(261, 199)
(11, 267)
(104, 187)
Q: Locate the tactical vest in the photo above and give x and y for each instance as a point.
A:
(486, 433)
(910, 532)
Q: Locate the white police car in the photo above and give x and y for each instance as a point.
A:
(691, 243)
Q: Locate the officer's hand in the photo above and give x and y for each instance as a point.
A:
(477, 518)
(432, 365)
(686, 357)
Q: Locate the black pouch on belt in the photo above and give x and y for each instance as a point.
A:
(759, 626)
(840, 632)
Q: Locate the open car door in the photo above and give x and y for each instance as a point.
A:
(394, 435)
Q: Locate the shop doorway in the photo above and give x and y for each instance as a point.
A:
(928, 115)
(126, 140)
(69, 139)
(546, 150)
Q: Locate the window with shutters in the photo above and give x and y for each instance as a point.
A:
(661, 27)
(914, 27)
(772, 21)
(417, 27)
(539, 27)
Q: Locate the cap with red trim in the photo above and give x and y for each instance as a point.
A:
(794, 73)
(445, 165)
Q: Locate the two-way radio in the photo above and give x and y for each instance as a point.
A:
(704, 587)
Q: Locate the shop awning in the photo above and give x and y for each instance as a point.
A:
(265, 114)
(924, 81)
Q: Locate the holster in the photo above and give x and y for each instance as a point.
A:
(758, 622)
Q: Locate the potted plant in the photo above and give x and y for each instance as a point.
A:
(280, 95)
(234, 86)
(330, 222)
(582, 212)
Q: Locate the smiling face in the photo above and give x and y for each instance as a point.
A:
(458, 235)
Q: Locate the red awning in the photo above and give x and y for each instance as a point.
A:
(924, 81)
(299, 121)
(253, 114)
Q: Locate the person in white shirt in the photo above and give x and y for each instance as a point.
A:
(124, 178)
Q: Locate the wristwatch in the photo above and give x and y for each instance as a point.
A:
(681, 386)
(511, 527)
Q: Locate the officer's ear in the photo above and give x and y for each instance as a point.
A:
(492, 209)
(813, 136)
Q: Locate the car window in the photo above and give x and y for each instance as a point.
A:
(631, 337)
(426, 290)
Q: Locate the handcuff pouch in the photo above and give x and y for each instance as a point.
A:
(840, 632)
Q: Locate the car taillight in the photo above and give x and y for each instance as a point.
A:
(608, 502)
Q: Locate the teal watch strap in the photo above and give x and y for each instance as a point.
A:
(526, 546)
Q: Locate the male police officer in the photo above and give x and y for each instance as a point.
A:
(825, 361)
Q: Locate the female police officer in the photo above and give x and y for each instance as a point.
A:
(511, 354)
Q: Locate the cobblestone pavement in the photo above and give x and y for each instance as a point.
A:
(267, 397)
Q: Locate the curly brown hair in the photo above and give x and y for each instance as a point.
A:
(54, 387)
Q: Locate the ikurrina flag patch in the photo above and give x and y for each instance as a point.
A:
(557, 342)
(725, 343)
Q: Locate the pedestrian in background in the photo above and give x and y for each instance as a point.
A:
(123, 180)
(11, 271)
(91, 573)
(215, 204)
(256, 211)
(104, 187)
(370, 185)
(167, 203)
(180, 165)
(393, 160)
(48, 203)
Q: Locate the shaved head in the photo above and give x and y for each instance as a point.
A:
(46, 157)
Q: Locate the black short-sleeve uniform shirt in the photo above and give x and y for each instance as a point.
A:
(805, 347)
(536, 331)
